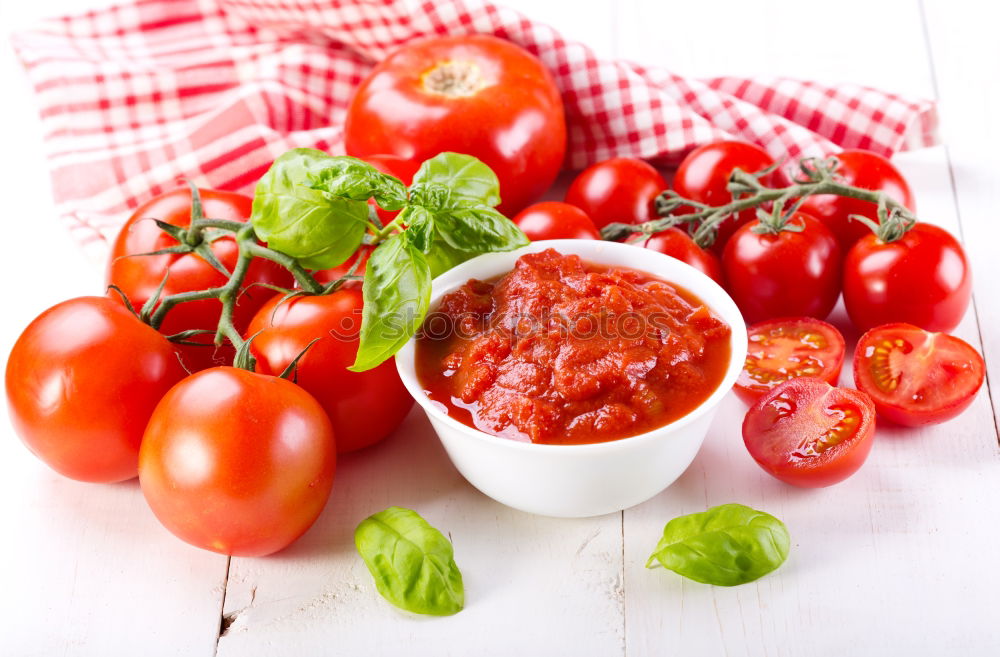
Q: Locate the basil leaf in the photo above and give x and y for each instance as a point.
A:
(319, 229)
(357, 180)
(397, 292)
(479, 229)
(726, 545)
(419, 222)
(466, 179)
(413, 564)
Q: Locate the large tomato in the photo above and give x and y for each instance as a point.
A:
(82, 381)
(237, 462)
(916, 377)
(554, 220)
(784, 275)
(675, 243)
(923, 278)
(860, 169)
(704, 176)
(473, 94)
(138, 276)
(619, 190)
(364, 407)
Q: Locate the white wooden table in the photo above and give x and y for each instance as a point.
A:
(900, 559)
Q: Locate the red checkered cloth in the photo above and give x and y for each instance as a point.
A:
(135, 96)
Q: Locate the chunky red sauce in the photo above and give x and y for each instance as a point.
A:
(563, 351)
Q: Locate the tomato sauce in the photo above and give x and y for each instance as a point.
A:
(561, 351)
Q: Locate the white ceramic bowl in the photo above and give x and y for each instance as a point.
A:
(580, 480)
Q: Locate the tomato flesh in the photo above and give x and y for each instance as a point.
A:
(808, 433)
(782, 349)
(916, 377)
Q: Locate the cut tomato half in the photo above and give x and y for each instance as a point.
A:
(788, 348)
(917, 377)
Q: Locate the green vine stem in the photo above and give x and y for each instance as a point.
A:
(819, 177)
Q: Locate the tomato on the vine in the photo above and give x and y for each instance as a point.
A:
(473, 94)
(82, 381)
(336, 273)
(619, 190)
(783, 275)
(553, 220)
(675, 243)
(866, 170)
(236, 462)
(703, 176)
(923, 278)
(364, 407)
(808, 433)
(916, 377)
(788, 348)
(138, 276)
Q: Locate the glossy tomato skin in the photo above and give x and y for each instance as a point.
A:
(364, 407)
(917, 377)
(82, 381)
(703, 175)
(923, 279)
(863, 169)
(473, 94)
(330, 275)
(553, 220)
(783, 275)
(139, 276)
(619, 190)
(236, 462)
(787, 348)
(675, 243)
(808, 433)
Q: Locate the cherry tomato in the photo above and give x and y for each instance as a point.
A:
(552, 220)
(473, 94)
(807, 433)
(923, 278)
(82, 381)
(236, 462)
(394, 166)
(619, 190)
(138, 276)
(329, 275)
(704, 175)
(675, 243)
(364, 407)
(916, 377)
(783, 349)
(783, 275)
(866, 170)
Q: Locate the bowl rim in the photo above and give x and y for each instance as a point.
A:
(499, 263)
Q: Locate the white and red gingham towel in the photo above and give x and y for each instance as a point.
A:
(138, 95)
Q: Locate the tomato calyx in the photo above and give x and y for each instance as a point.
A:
(776, 221)
(454, 79)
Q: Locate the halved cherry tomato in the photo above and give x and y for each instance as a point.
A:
(554, 220)
(782, 349)
(808, 433)
(704, 176)
(916, 377)
(675, 243)
(619, 190)
(861, 169)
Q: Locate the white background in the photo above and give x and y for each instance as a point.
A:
(900, 559)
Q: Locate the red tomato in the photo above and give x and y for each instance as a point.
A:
(807, 433)
(394, 166)
(82, 381)
(473, 94)
(783, 275)
(675, 243)
(329, 275)
(139, 276)
(923, 278)
(866, 170)
(917, 377)
(704, 175)
(364, 407)
(619, 190)
(783, 349)
(236, 462)
(552, 220)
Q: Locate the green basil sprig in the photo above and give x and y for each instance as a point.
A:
(727, 545)
(413, 564)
